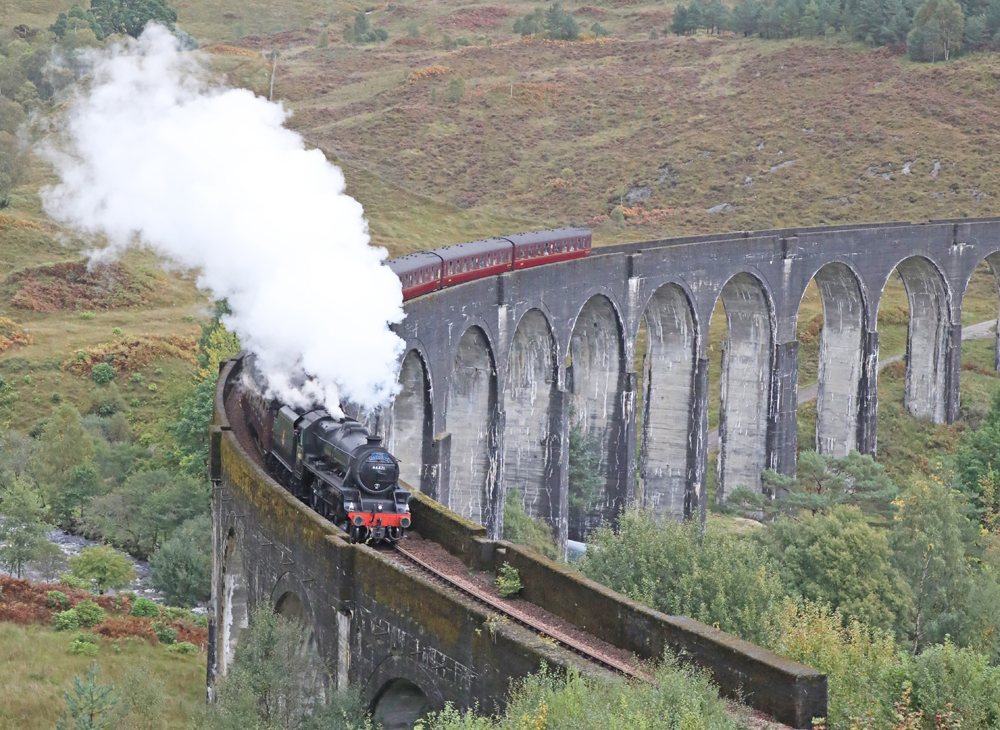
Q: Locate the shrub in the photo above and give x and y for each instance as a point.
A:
(67, 621)
(144, 608)
(165, 634)
(87, 315)
(456, 89)
(116, 331)
(678, 697)
(949, 678)
(82, 648)
(89, 613)
(462, 42)
(102, 373)
(57, 398)
(183, 647)
(519, 527)
(136, 377)
(599, 30)
(58, 599)
(71, 581)
(865, 670)
(726, 580)
(508, 581)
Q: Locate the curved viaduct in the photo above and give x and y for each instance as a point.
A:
(498, 371)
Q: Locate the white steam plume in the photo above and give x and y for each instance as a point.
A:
(153, 154)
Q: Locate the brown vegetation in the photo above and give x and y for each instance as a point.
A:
(131, 353)
(477, 18)
(11, 334)
(25, 601)
(73, 285)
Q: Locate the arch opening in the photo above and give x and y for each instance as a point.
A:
(308, 664)
(529, 391)
(400, 705)
(595, 370)
(471, 402)
(667, 344)
(980, 353)
(412, 421)
(744, 385)
(927, 336)
(830, 332)
(235, 615)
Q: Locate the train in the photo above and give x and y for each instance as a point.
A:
(334, 465)
(427, 271)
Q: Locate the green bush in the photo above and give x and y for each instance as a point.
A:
(144, 608)
(947, 675)
(164, 633)
(726, 580)
(456, 89)
(519, 527)
(679, 697)
(183, 647)
(508, 581)
(82, 648)
(102, 373)
(462, 42)
(58, 599)
(87, 315)
(116, 331)
(71, 581)
(865, 670)
(89, 613)
(67, 621)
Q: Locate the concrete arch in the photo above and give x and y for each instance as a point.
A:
(841, 359)
(235, 613)
(668, 396)
(529, 394)
(399, 705)
(595, 375)
(928, 338)
(412, 426)
(993, 261)
(291, 605)
(745, 384)
(472, 400)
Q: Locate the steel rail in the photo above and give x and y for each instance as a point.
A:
(523, 619)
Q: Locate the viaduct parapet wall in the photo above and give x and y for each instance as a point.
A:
(498, 371)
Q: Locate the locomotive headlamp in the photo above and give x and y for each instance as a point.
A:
(358, 520)
(404, 522)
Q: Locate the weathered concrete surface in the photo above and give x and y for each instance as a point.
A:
(411, 431)
(746, 385)
(409, 644)
(851, 265)
(668, 383)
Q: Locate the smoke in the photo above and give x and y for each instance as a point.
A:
(156, 154)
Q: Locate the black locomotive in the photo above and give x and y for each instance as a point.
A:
(332, 464)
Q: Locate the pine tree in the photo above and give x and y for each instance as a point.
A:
(91, 706)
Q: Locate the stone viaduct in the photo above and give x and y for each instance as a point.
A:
(497, 371)
(495, 375)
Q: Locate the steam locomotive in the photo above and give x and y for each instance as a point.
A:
(334, 465)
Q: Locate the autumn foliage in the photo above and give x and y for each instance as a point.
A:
(11, 334)
(131, 353)
(72, 285)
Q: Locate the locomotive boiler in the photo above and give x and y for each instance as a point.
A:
(334, 465)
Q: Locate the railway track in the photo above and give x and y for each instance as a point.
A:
(511, 613)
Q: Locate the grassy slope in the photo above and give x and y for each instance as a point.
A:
(36, 668)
